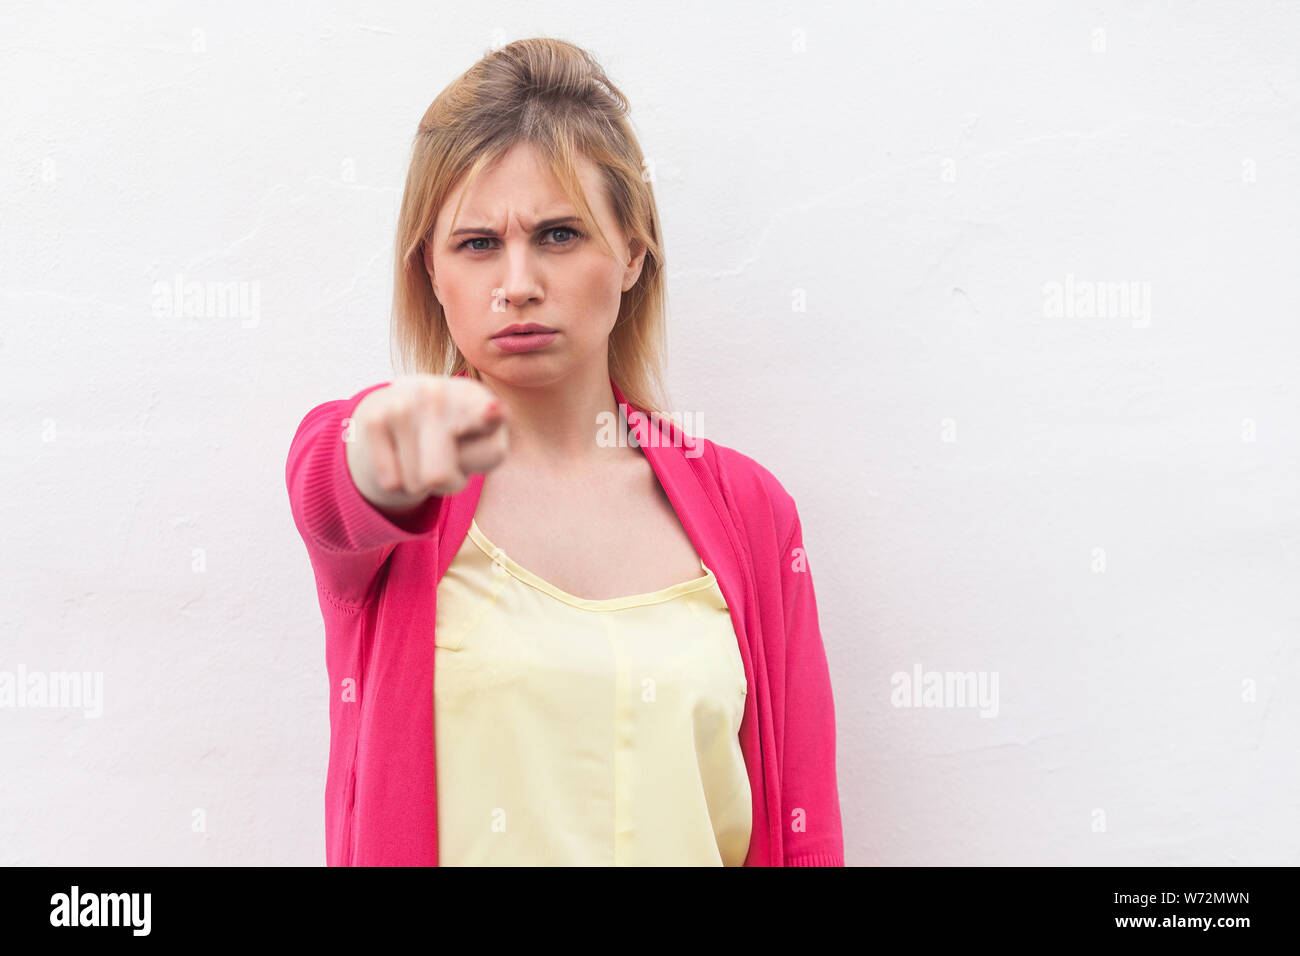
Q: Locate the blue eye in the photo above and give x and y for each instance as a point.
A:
(575, 232)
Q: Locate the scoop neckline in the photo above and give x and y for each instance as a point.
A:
(518, 571)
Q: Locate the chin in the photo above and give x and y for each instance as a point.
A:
(526, 371)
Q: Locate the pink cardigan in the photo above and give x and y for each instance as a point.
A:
(377, 585)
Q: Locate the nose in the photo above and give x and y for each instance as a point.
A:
(521, 283)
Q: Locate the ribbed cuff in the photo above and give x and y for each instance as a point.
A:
(815, 859)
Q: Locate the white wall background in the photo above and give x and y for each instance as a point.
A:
(1100, 511)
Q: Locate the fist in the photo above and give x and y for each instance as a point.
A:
(423, 435)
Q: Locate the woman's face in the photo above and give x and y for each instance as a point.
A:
(519, 255)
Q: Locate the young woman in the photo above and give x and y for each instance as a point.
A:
(559, 629)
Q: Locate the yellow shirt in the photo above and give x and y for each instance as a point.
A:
(576, 732)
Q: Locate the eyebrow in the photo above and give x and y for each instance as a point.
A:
(541, 226)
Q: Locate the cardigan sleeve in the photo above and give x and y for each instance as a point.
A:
(810, 801)
(348, 539)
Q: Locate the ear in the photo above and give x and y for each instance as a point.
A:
(633, 271)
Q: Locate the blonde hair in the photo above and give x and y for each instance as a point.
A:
(553, 95)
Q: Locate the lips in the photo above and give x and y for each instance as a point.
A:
(527, 329)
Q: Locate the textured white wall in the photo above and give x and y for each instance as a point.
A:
(1101, 512)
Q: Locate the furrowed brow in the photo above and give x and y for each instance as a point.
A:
(541, 227)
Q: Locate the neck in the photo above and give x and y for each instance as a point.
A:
(558, 427)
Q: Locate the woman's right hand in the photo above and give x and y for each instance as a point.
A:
(423, 435)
